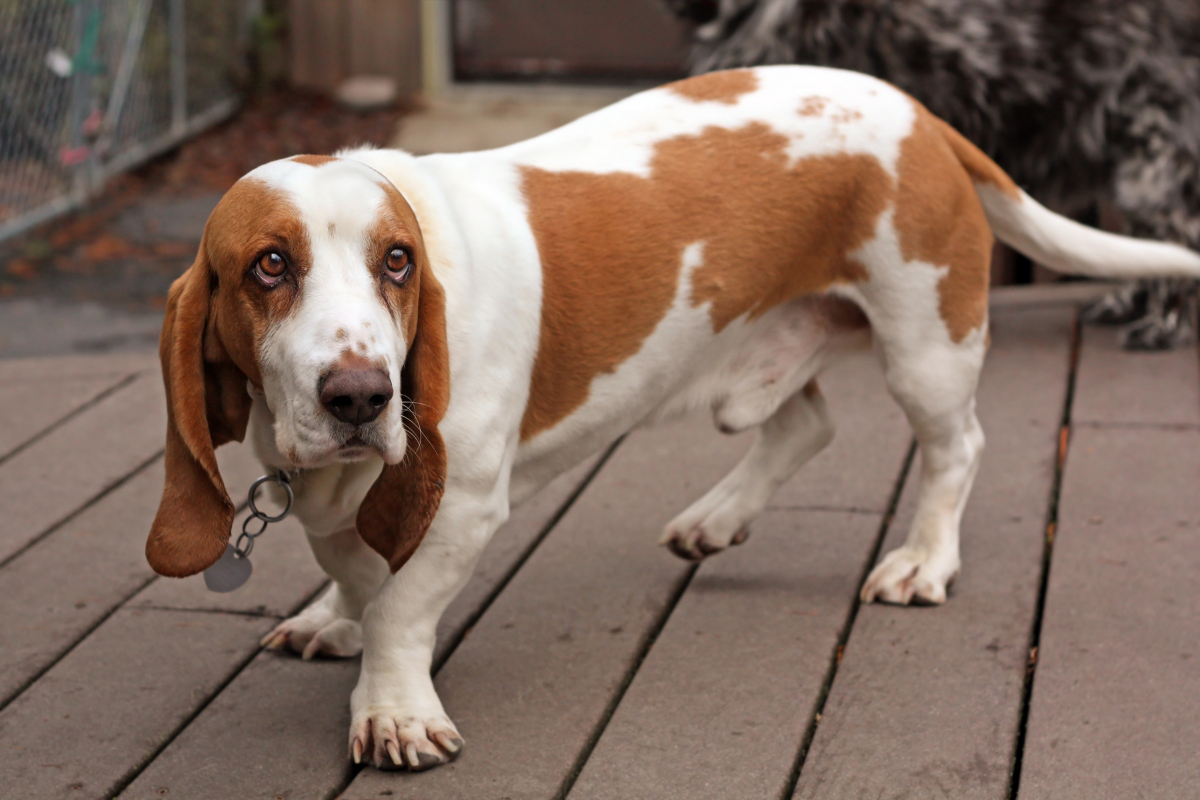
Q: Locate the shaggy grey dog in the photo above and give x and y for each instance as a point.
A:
(1074, 98)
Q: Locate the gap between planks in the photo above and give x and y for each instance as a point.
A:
(1035, 631)
(121, 603)
(129, 777)
(844, 635)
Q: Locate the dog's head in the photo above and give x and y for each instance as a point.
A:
(311, 288)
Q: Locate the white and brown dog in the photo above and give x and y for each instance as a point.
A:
(708, 244)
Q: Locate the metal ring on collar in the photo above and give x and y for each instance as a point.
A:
(250, 520)
(281, 479)
(244, 546)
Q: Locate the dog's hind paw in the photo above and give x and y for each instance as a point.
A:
(905, 576)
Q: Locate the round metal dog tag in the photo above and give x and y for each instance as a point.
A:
(229, 573)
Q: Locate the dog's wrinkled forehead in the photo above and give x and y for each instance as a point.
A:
(329, 193)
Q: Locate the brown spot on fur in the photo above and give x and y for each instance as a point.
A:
(341, 334)
(313, 161)
(350, 360)
(940, 221)
(813, 106)
(612, 246)
(981, 168)
(253, 218)
(718, 87)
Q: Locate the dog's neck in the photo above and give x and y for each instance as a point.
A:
(327, 497)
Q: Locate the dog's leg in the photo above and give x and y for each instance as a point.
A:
(330, 625)
(935, 385)
(798, 430)
(397, 719)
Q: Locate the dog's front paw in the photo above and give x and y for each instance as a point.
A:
(907, 576)
(317, 630)
(391, 738)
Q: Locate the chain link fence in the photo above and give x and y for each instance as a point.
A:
(89, 88)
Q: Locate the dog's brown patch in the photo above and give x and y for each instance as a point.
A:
(981, 168)
(313, 161)
(612, 246)
(940, 221)
(396, 226)
(717, 87)
(813, 106)
(253, 218)
(214, 323)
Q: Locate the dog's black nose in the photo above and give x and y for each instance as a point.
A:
(356, 396)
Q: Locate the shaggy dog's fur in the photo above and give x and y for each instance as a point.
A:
(1074, 98)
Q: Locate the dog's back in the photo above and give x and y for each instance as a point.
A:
(1076, 100)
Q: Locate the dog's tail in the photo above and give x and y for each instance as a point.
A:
(1055, 241)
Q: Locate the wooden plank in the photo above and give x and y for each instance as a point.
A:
(1115, 709)
(720, 707)
(384, 38)
(721, 704)
(1135, 388)
(124, 725)
(926, 702)
(46, 483)
(102, 711)
(29, 407)
(278, 729)
(66, 584)
(76, 366)
(298, 749)
(317, 29)
(534, 680)
(58, 590)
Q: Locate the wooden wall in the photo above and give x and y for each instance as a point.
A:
(331, 40)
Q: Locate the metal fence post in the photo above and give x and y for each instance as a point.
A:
(177, 24)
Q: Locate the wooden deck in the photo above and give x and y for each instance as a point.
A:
(584, 662)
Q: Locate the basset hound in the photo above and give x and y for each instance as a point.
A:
(427, 341)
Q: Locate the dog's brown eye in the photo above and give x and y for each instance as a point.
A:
(398, 265)
(270, 268)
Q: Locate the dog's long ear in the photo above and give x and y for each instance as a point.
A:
(398, 509)
(207, 405)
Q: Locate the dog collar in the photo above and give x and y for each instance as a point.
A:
(233, 568)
